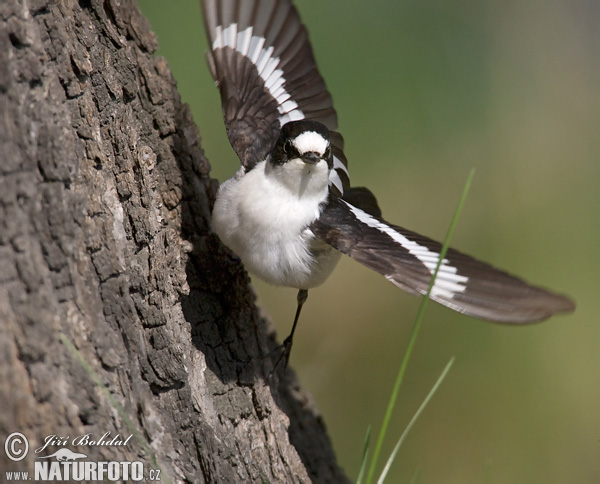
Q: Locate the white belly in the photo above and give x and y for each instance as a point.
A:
(265, 224)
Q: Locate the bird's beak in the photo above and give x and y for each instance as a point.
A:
(311, 157)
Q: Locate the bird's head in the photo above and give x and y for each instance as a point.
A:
(301, 157)
(307, 141)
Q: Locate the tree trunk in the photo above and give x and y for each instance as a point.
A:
(105, 243)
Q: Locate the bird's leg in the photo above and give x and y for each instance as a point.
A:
(286, 347)
(287, 343)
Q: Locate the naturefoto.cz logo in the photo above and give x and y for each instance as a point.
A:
(65, 464)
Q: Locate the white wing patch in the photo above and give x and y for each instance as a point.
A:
(336, 181)
(334, 177)
(447, 283)
(252, 47)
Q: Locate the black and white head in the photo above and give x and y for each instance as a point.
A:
(306, 141)
(301, 157)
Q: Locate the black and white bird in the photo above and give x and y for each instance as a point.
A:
(289, 212)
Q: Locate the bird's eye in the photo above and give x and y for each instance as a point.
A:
(287, 147)
(328, 151)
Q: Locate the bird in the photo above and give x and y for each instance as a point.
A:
(289, 212)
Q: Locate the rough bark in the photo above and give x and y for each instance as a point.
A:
(105, 198)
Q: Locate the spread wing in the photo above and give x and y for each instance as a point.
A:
(408, 260)
(264, 66)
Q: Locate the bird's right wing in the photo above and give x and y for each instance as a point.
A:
(408, 260)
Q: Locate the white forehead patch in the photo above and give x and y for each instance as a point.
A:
(310, 141)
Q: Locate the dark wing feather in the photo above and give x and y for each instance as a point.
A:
(263, 63)
(408, 260)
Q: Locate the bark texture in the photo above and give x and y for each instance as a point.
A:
(105, 198)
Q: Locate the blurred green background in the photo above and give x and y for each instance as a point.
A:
(426, 90)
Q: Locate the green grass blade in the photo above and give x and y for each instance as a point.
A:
(416, 477)
(363, 460)
(414, 332)
(439, 381)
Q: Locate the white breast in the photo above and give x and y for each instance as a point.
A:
(263, 217)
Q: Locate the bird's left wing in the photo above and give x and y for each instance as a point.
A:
(264, 66)
(408, 260)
